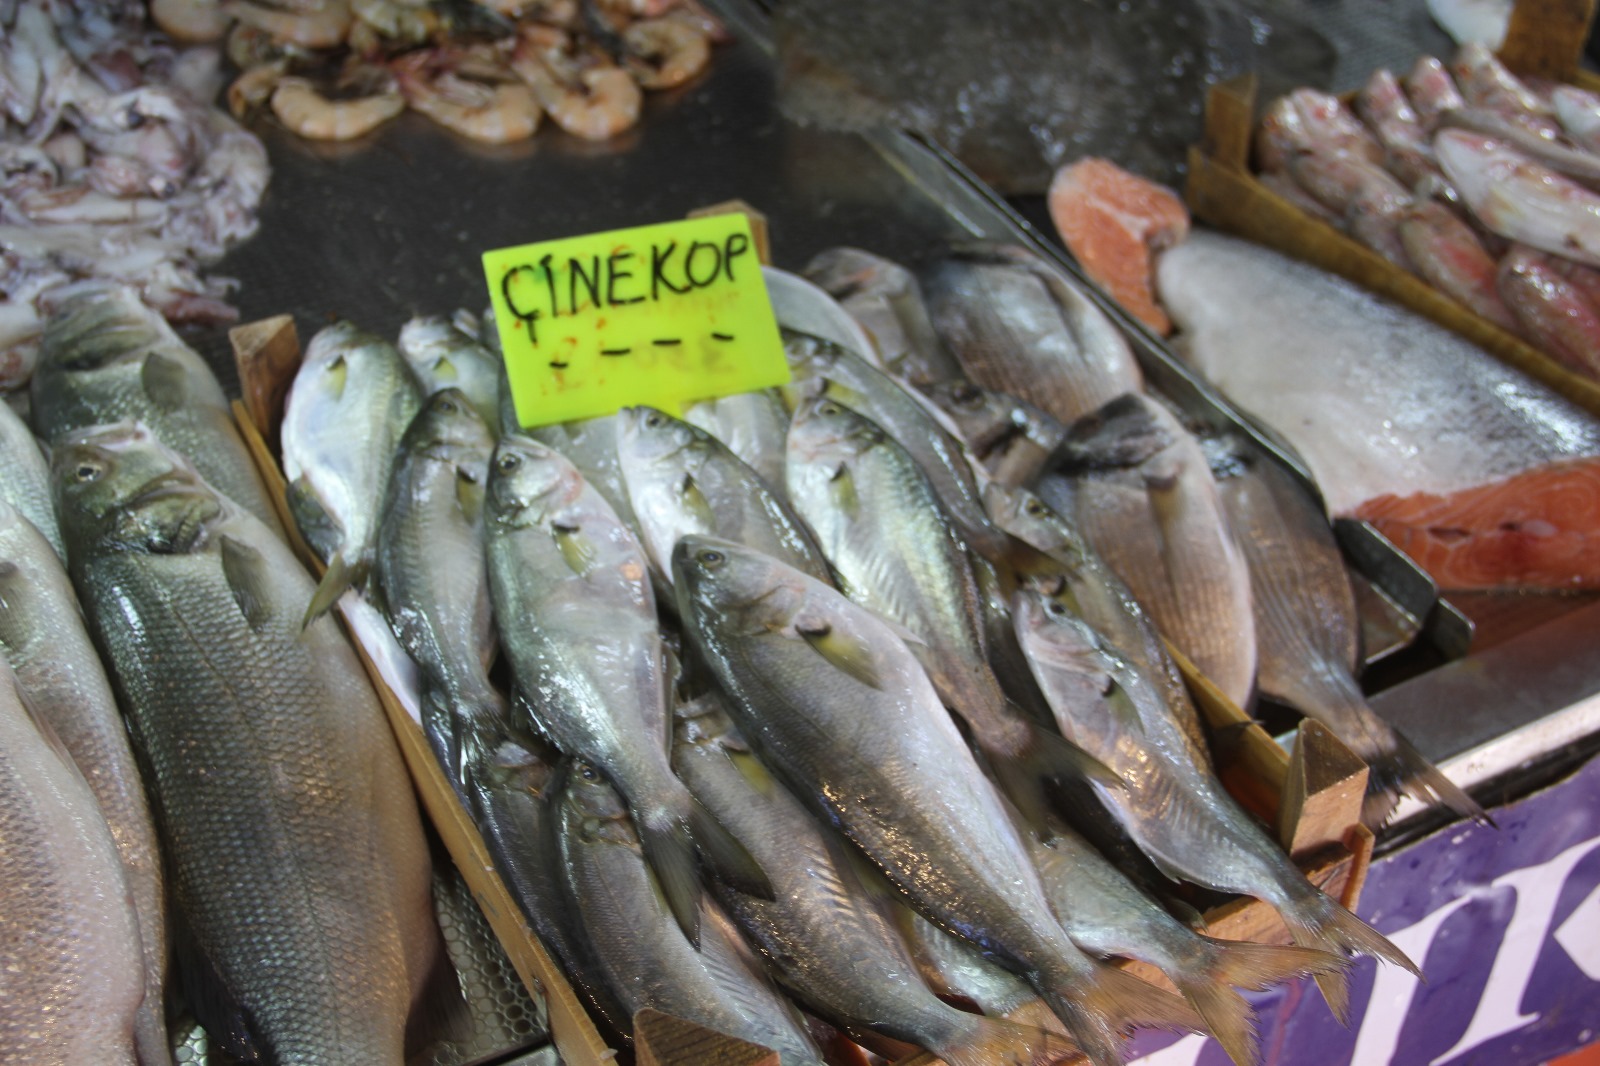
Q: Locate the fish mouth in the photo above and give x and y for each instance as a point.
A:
(173, 484)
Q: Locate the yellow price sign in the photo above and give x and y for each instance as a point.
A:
(661, 315)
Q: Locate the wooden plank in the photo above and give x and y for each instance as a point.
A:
(1229, 121)
(758, 224)
(1322, 793)
(662, 1040)
(267, 354)
(1545, 37)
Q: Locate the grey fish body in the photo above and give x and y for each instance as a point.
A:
(803, 307)
(107, 357)
(433, 575)
(443, 356)
(886, 300)
(752, 425)
(1173, 806)
(296, 851)
(1143, 494)
(646, 959)
(1019, 326)
(25, 477)
(1307, 626)
(591, 446)
(681, 479)
(822, 933)
(821, 366)
(834, 701)
(1012, 439)
(350, 402)
(42, 636)
(61, 887)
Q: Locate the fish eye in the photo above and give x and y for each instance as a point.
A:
(587, 772)
(1035, 508)
(965, 394)
(712, 557)
(1054, 609)
(87, 471)
(655, 420)
(508, 462)
(446, 406)
(828, 408)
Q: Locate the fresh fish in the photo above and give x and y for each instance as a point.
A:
(1485, 83)
(643, 954)
(1520, 199)
(1581, 166)
(107, 357)
(72, 989)
(1173, 805)
(1114, 223)
(683, 480)
(853, 485)
(753, 426)
(434, 580)
(1551, 310)
(1432, 91)
(831, 699)
(1016, 88)
(350, 402)
(1449, 255)
(1136, 483)
(802, 306)
(824, 935)
(1020, 326)
(1579, 113)
(590, 444)
(270, 761)
(588, 658)
(1307, 625)
(1009, 438)
(1106, 914)
(1408, 153)
(886, 300)
(1366, 198)
(820, 366)
(445, 357)
(1473, 21)
(1287, 188)
(1468, 466)
(42, 637)
(25, 477)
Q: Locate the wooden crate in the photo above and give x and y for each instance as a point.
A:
(1545, 39)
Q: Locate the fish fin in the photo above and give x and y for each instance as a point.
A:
(1318, 921)
(339, 577)
(445, 370)
(694, 500)
(843, 488)
(164, 382)
(469, 495)
(576, 549)
(852, 658)
(1000, 1042)
(316, 525)
(1047, 756)
(1404, 769)
(1231, 964)
(668, 845)
(248, 580)
(728, 860)
(338, 372)
(1104, 1003)
(222, 1017)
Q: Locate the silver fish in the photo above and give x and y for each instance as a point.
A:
(1173, 806)
(886, 300)
(1019, 325)
(442, 356)
(433, 577)
(107, 357)
(823, 934)
(803, 307)
(831, 698)
(1138, 486)
(644, 955)
(351, 400)
(1013, 440)
(42, 636)
(588, 657)
(590, 444)
(681, 480)
(25, 477)
(287, 819)
(73, 988)
(752, 425)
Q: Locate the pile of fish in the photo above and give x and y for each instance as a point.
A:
(113, 165)
(1483, 184)
(229, 768)
(807, 691)
(334, 70)
(1485, 477)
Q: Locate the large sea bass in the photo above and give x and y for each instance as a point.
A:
(287, 819)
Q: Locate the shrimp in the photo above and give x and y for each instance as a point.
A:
(489, 110)
(665, 52)
(396, 21)
(321, 27)
(254, 87)
(594, 103)
(311, 115)
(190, 21)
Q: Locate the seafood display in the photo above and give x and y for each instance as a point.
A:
(115, 166)
(1463, 174)
(492, 72)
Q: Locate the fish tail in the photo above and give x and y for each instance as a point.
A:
(1318, 921)
(1048, 756)
(1102, 1004)
(668, 845)
(341, 574)
(999, 1042)
(1401, 768)
(729, 860)
(1230, 964)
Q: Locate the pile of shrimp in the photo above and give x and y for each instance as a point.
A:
(490, 70)
(113, 165)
